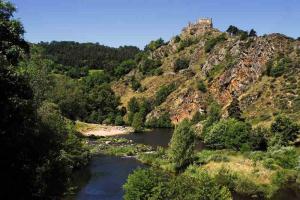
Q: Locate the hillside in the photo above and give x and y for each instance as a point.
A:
(262, 72)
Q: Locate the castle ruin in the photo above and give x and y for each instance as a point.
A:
(201, 26)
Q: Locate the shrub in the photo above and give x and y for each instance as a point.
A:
(163, 121)
(155, 44)
(181, 63)
(230, 133)
(285, 157)
(234, 110)
(147, 65)
(177, 39)
(277, 67)
(182, 144)
(138, 122)
(210, 44)
(201, 86)
(201, 187)
(135, 84)
(163, 93)
(133, 105)
(144, 184)
(125, 67)
(119, 120)
(186, 43)
(285, 129)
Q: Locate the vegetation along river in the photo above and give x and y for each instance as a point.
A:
(103, 178)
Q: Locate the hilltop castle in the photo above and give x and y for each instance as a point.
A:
(199, 27)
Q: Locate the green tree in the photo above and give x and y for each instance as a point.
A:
(234, 110)
(201, 187)
(138, 122)
(286, 130)
(182, 144)
(125, 67)
(135, 85)
(163, 121)
(102, 103)
(252, 33)
(133, 105)
(145, 184)
(96, 78)
(232, 30)
(155, 44)
(230, 134)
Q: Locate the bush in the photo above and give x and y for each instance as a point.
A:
(201, 86)
(181, 63)
(210, 44)
(230, 134)
(182, 144)
(286, 130)
(150, 184)
(135, 85)
(144, 184)
(133, 105)
(177, 39)
(200, 187)
(125, 67)
(277, 67)
(163, 121)
(119, 120)
(186, 43)
(163, 93)
(138, 122)
(147, 65)
(155, 44)
(285, 157)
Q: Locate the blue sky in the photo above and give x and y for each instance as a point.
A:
(136, 22)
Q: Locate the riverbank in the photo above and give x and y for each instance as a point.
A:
(251, 174)
(99, 130)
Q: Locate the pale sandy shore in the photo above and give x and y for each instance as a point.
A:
(88, 129)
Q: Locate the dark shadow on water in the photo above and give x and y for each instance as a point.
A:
(156, 137)
(108, 174)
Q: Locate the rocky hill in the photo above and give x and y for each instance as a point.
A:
(207, 65)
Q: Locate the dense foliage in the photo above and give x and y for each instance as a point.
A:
(152, 184)
(163, 121)
(155, 44)
(39, 148)
(182, 144)
(231, 134)
(91, 55)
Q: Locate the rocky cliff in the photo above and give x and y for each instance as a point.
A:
(262, 71)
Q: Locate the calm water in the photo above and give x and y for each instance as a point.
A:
(155, 137)
(105, 175)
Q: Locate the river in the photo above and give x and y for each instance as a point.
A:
(105, 175)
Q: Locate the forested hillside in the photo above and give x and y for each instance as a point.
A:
(90, 55)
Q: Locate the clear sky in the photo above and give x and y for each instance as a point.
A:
(136, 22)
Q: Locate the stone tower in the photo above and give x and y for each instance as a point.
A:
(198, 28)
(206, 22)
